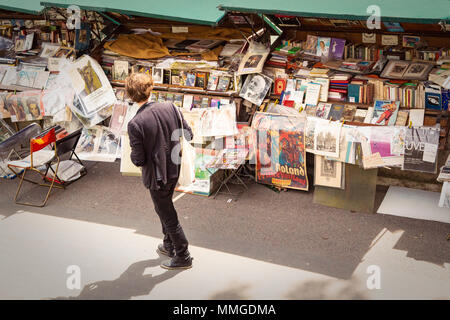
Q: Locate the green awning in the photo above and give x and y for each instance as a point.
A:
(25, 6)
(416, 11)
(198, 11)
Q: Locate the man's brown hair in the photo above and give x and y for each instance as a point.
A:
(138, 86)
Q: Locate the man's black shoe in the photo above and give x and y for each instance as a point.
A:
(177, 263)
(164, 251)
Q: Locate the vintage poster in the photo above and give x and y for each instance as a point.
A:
(421, 149)
(385, 112)
(326, 138)
(280, 150)
(91, 86)
(328, 173)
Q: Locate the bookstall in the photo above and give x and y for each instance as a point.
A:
(314, 95)
(375, 98)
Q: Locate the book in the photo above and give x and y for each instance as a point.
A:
(197, 102)
(188, 101)
(280, 86)
(190, 79)
(312, 93)
(323, 110)
(166, 76)
(336, 112)
(178, 100)
(402, 118)
(162, 96)
(360, 115)
(153, 96)
(175, 78)
(223, 84)
(349, 112)
(325, 85)
(205, 102)
(433, 97)
(213, 80)
(416, 117)
(170, 97)
(203, 45)
(369, 115)
(200, 80)
(230, 49)
(120, 70)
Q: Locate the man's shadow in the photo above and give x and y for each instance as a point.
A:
(131, 283)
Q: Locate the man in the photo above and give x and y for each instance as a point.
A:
(151, 142)
(255, 89)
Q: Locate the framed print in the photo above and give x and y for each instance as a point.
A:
(418, 71)
(395, 69)
(157, 75)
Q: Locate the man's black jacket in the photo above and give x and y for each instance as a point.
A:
(153, 137)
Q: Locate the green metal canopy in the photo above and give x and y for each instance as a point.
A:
(198, 11)
(25, 6)
(418, 11)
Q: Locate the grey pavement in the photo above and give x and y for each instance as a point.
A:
(265, 245)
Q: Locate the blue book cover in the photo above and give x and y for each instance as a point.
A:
(353, 92)
(433, 97)
(445, 99)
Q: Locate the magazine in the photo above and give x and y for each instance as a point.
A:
(91, 86)
(385, 112)
(421, 149)
(253, 61)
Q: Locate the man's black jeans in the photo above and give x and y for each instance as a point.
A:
(174, 237)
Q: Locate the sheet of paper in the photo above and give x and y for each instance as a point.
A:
(430, 152)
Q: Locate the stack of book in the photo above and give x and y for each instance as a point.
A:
(410, 95)
(360, 91)
(363, 52)
(277, 60)
(108, 59)
(338, 87)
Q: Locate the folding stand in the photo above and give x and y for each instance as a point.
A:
(231, 173)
